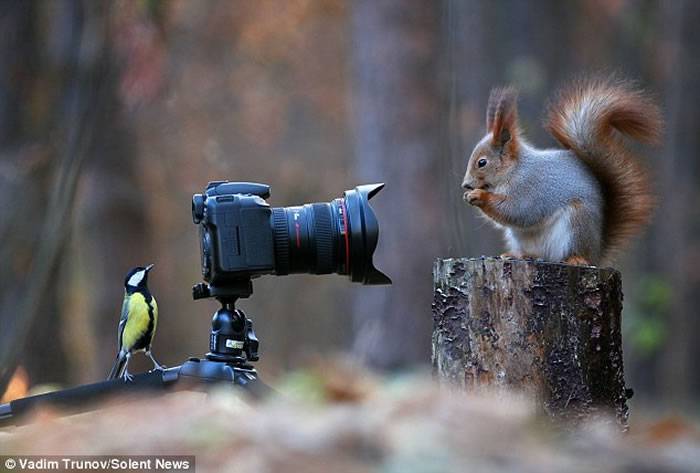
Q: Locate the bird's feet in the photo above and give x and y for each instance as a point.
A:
(128, 378)
(156, 365)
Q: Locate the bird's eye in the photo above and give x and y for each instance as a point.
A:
(482, 162)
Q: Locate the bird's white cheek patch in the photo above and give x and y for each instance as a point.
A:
(136, 278)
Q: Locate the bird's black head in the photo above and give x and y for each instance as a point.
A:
(137, 278)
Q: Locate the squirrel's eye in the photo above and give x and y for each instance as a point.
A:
(481, 163)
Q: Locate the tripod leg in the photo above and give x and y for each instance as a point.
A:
(253, 386)
(156, 365)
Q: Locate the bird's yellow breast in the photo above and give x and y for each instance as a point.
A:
(137, 324)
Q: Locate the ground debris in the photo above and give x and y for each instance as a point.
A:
(406, 424)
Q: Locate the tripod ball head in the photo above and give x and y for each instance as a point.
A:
(232, 338)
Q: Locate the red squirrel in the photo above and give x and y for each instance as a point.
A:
(577, 205)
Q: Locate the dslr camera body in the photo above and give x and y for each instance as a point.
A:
(235, 237)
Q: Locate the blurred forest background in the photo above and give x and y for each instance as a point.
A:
(112, 114)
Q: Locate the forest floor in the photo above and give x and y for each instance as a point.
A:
(334, 419)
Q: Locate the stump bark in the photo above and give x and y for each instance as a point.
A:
(549, 330)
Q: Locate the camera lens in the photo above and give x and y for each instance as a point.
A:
(335, 237)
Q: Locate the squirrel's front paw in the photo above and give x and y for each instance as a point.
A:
(477, 197)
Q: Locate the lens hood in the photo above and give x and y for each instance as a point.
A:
(363, 233)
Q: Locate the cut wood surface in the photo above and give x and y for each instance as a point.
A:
(551, 331)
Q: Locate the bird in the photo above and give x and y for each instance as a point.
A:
(137, 324)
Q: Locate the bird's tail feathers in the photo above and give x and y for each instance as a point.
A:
(119, 365)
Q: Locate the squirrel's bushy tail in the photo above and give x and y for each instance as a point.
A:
(589, 118)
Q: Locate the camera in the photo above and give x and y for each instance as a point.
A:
(242, 237)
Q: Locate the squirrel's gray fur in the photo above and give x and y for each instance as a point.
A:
(577, 204)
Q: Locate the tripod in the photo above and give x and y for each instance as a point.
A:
(232, 346)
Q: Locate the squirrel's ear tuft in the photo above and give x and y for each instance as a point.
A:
(502, 115)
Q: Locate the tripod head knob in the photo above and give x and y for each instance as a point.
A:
(232, 339)
(200, 291)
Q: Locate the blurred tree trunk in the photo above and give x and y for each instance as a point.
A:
(22, 161)
(674, 249)
(45, 180)
(396, 118)
(16, 68)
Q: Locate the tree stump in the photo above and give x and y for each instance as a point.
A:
(551, 331)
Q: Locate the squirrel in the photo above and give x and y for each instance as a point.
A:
(578, 205)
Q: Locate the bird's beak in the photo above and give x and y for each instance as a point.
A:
(148, 268)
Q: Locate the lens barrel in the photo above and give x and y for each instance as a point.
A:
(335, 237)
(306, 239)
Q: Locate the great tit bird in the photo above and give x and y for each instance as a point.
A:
(137, 324)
